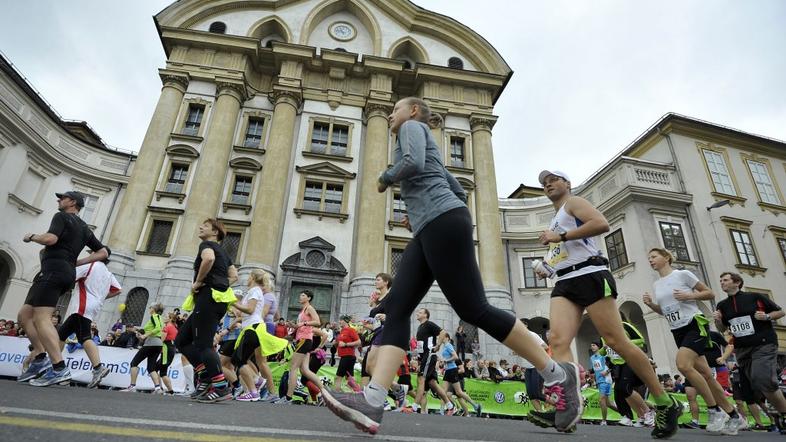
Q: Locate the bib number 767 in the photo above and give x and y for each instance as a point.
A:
(672, 317)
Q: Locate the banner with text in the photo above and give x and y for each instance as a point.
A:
(13, 352)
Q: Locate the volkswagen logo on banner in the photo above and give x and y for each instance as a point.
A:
(499, 397)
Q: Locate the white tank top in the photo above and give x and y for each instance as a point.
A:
(564, 254)
(677, 313)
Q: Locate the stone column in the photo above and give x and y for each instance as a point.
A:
(133, 207)
(490, 249)
(492, 264)
(371, 211)
(204, 196)
(268, 219)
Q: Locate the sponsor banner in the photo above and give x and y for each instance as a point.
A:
(13, 352)
(508, 398)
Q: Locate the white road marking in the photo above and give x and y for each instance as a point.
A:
(217, 428)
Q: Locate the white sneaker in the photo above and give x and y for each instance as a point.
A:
(649, 418)
(716, 421)
(158, 390)
(130, 388)
(734, 425)
(602, 423)
(625, 421)
(638, 423)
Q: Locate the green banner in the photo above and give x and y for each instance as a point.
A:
(509, 398)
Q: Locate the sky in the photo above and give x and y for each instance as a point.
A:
(589, 76)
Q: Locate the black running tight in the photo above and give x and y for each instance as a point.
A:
(443, 251)
(195, 337)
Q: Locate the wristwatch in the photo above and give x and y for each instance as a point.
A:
(768, 317)
(563, 236)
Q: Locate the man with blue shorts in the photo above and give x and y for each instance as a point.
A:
(602, 379)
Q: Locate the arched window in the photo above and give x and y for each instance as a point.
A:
(136, 301)
(218, 27)
(455, 63)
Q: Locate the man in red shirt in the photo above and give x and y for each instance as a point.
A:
(281, 329)
(348, 340)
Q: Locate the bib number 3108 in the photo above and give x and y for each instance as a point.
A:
(742, 326)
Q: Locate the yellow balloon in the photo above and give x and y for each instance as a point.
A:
(121, 308)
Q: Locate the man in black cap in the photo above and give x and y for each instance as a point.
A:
(64, 241)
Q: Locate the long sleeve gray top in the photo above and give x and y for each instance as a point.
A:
(427, 188)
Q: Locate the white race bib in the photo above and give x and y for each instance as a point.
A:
(557, 253)
(596, 365)
(742, 326)
(675, 316)
(420, 347)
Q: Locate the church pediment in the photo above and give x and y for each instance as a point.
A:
(316, 243)
(326, 169)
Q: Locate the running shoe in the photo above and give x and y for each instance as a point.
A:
(251, 396)
(759, 427)
(237, 391)
(451, 411)
(260, 383)
(566, 397)
(51, 377)
(35, 369)
(353, 407)
(733, 425)
(98, 374)
(693, 425)
(130, 388)
(777, 418)
(401, 396)
(543, 419)
(216, 395)
(201, 389)
(638, 423)
(158, 390)
(263, 393)
(603, 423)
(282, 401)
(625, 421)
(666, 420)
(649, 418)
(716, 420)
(478, 409)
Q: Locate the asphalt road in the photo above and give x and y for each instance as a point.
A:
(73, 414)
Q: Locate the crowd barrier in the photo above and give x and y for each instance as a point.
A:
(507, 398)
(14, 350)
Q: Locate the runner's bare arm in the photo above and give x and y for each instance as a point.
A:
(594, 223)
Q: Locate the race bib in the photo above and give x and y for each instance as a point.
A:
(596, 365)
(420, 346)
(742, 326)
(674, 316)
(557, 253)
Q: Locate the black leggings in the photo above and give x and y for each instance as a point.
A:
(163, 368)
(443, 251)
(195, 338)
(151, 354)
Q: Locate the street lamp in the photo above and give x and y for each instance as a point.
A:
(717, 204)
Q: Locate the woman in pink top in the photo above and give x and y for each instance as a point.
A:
(304, 334)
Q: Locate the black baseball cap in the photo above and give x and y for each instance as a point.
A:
(78, 198)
